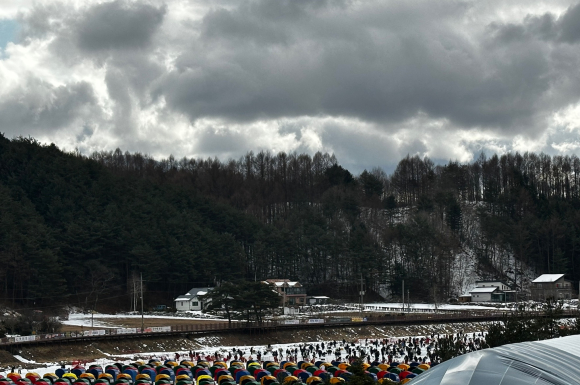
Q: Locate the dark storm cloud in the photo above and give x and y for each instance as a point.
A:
(382, 63)
(393, 77)
(570, 25)
(547, 27)
(119, 25)
(38, 107)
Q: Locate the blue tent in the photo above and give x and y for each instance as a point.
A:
(240, 374)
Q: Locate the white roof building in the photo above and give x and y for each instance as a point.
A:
(490, 289)
(551, 286)
(484, 294)
(192, 300)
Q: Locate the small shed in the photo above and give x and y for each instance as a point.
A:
(465, 298)
(318, 300)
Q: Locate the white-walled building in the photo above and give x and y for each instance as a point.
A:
(500, 285)
(192, 299)
(484, 294)
(489, 291)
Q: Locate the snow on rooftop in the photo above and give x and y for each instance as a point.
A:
(484, 289)
(548, 278)
(488, 281)
(197, 290)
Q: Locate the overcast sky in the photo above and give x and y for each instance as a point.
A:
(370, 81)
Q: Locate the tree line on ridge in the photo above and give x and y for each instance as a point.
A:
(78, 229)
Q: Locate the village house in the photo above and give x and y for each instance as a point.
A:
(193, 299)
(292, 293)
(487, 294)
(551, 286)
(489, 291)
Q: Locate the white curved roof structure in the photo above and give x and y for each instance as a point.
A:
(555, 361)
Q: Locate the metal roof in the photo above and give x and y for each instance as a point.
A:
(544, 278)
(554, 362)
(199, 290)
(193, 293)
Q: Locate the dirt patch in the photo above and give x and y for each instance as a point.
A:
(7, 359)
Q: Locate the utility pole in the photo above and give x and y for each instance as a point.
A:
(409, 299)
(362, 293)
(284, 286)
(134, 302)
(92, 317)
(516, 279)
(403, 292)
(142, 316)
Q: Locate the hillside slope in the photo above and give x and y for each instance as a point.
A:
(79, 230)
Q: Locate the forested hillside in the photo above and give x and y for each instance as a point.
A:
(80, 229)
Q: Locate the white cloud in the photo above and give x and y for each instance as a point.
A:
(569, 118)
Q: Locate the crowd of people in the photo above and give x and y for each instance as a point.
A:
(380, 357)
(425, 349)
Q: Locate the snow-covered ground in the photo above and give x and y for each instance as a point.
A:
(223, 351)
(425, 306)
(108, 320)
